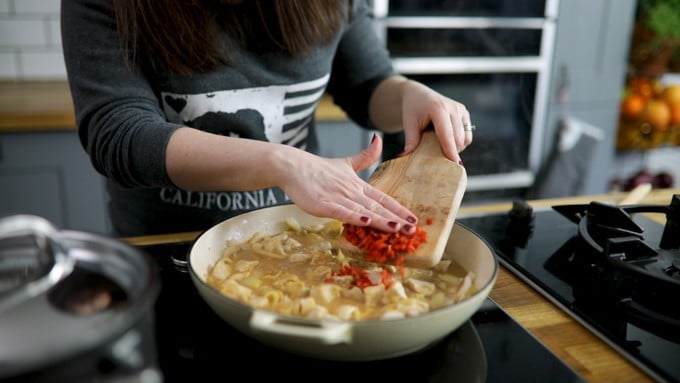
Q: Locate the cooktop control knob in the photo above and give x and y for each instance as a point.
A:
(520, 223)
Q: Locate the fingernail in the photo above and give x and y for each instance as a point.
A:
(364, 219)
(392, 224)
(460, 162)
(411, 219)
(407, 228)
(375, 135)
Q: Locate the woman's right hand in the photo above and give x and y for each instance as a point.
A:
(324, 187)
(331, 187)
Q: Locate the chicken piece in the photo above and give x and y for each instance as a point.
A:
(240, 276)
(420, 287)
(293, 224)
(348, 312)
(260, 303)
(299, 257)
(235, 290)
(318, 312)
(413, 307)
(304, 305)
(354, 293)
(374, 275)
(395, 293)
(464, 288)
(373, 295)
(221, 270)
(451, 279)
(325, 293)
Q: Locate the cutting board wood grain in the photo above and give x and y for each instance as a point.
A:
(432, 187)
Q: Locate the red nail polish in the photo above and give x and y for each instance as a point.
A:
(364, 219)
(375, 135)
(392, 224)
(411, 219)
(407, 228)
(460, 162)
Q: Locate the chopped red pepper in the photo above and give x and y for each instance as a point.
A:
(429, 221)
(383, 246)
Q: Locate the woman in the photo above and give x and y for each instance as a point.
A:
(199, 110)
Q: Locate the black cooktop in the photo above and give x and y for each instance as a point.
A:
(194, 344)
(544, 255)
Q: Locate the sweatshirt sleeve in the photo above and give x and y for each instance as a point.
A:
(120, 122)
(360, 64)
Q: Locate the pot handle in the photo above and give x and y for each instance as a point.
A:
(26, 279)
(325, 332)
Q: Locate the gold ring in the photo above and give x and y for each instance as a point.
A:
(469, 127)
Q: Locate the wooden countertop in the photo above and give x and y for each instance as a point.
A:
(584, 352)
(44, 106)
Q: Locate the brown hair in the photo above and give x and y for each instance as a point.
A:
(178, 36)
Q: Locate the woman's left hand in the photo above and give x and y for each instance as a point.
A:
(398, 103)
(422, 107)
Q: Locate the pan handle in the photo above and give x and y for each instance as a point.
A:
(324, 332)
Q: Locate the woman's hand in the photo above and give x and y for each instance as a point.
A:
(331, 188)
(399, 103)
(325, 187)
(422, 106)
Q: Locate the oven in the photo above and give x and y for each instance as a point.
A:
(493, 56)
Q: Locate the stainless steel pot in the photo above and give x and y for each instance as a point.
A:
(333, 339)
(74, 306)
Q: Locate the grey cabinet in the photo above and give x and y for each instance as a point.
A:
(48, 174)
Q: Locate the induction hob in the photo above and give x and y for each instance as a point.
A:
(546, 251)
(194, 344)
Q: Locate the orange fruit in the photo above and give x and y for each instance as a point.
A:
(671, 94)
(657, 113)
(632, 105)
(675, 114)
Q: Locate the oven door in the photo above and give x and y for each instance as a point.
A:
(494, 57)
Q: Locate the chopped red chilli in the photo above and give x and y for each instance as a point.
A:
(383, 247)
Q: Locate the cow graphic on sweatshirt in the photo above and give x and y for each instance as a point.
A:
(284, 112)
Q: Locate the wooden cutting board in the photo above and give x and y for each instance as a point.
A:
(432, 187)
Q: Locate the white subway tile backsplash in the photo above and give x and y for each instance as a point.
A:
(42, 65)
(30, 40)
(36, 6)
(8, 65)
(17, 32)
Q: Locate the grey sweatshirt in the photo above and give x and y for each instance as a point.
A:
(125, 118)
